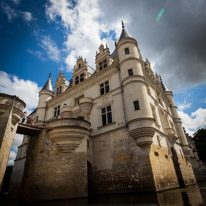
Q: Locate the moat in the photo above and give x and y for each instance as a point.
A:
(194, 195)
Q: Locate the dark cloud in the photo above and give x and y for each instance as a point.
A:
(176, 44)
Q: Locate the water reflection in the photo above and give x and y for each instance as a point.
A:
(193, 195)
(185, 196)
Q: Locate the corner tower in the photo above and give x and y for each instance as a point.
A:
(44, 95)
(138, 111)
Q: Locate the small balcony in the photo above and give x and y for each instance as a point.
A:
(169, 131)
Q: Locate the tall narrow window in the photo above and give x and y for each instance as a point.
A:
(136, 105)
(77, 80)
(79, 66)
(106, 115)
(104, 88)
(57, 111)
(57, 90)
(60, 89)
(100, 66)
(130, 72)
(103, 65)
(82, 77)
(126, 50)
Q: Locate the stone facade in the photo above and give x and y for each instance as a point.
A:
(114, 130)
(11, 111)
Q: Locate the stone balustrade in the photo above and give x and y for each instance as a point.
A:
(67, 133)
(7, 100)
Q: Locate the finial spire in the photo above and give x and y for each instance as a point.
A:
(49, 75)
(160, 78)
(122, 24)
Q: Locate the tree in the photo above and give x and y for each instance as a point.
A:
(200, 143)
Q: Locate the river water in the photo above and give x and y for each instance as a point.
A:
(193, 195)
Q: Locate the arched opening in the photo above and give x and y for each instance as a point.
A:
(177, 168)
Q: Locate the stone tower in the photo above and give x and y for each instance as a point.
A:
(44, 95)
(134, 88)
(11, 112)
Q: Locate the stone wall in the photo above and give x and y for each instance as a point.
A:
(11, 111)
(163, 168)
(120, 165)
(187, 170)
(18, 169)
(52, 172)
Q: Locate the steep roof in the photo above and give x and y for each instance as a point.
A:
(124, 32)
(48, 85)
(164, 87)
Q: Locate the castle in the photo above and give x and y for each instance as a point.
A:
(115, 129)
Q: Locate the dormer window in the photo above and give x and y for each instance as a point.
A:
(77, 80)
(103, 65)
(82, 77)
(57, 90)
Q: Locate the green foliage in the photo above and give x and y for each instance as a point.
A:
(200, 143)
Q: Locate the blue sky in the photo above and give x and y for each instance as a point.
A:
(38, 37)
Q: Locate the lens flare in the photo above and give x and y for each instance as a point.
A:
(160, 14)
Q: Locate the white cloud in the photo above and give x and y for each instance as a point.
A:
(184, 106)
(26, 90)
(194, 121)
(12, 155)
(27, 16)
(14, 13)
(11, 13)
(203, 100)
(38, 54)
(16, 143)
(50, 48)
(83, 26)
(16, 1)
(11, 162)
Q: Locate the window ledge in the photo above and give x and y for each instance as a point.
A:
(157, 125)
(112, 123)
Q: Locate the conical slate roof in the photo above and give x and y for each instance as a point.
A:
(164, 87)
(48, 85)
(124, 32)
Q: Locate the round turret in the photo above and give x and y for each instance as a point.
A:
(138, 110)
(11, 112)
(44, 95)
